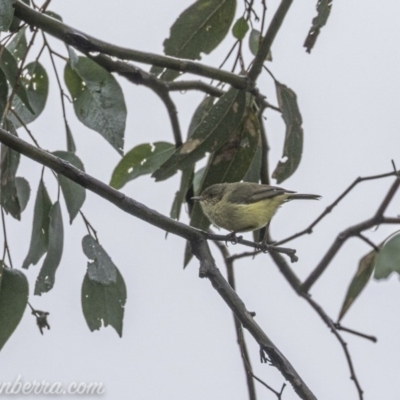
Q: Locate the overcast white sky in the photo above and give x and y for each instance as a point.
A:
(178, 339)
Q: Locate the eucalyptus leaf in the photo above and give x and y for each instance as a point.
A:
(9, 65)
(101, 269)
(74, 194)
(323, 12)
(9, 162)
(18, 45)
(199, 29)
(45, 280)
(23, 191)
(104, 305)
(71, 147)
(40, 227)
(293, 147)
(361, 278)
(240, 28)
(213, 131)
(36, 83)
(142, 159)
(14, 292)
(98, 100)
(6, 14)
(387, 260)
(200, 113)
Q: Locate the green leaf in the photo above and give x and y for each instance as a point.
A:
(103, 289)
(200, 113)
(23, 191)
(70, 139)
(98, 100)
(323, 9)
(18, 45)
(180, 195)
(45, 280)
(74, 194)
(254, 43)
(9, 65)
(359, 281)
(14, 293)
(240, 28)
(187, 173)
(214, 130)
(388, 258)
(9, 164)
(40, 227)
(101, 270)
(36, 82)
(254, 172)
(199, 29)
(3, 93)
(293, 146)
(6, 14)
(142, 159)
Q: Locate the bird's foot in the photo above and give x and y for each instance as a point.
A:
(232, 238)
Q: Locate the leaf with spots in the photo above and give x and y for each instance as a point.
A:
(142, 159)
(98, 100)
(293, 146)
(103, 289)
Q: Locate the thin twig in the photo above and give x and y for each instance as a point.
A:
(329, 209)
(339, 327)
(377, 219)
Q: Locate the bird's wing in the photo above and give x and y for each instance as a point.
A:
(259, 192)
(267, 192)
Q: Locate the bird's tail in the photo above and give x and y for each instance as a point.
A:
(299, 196)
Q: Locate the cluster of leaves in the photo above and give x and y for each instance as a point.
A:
(99, 103)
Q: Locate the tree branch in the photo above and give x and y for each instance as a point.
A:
(348, 233)
(266, 44)
(85, 43)
(295, 283)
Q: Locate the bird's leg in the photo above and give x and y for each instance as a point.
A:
(232, 238)
(264, 246)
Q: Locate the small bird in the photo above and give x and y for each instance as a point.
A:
(244, 206)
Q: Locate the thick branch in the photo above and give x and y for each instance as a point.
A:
(119, 199)
(239, 309)
(85, 42)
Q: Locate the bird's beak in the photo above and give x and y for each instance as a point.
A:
(198, 198)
